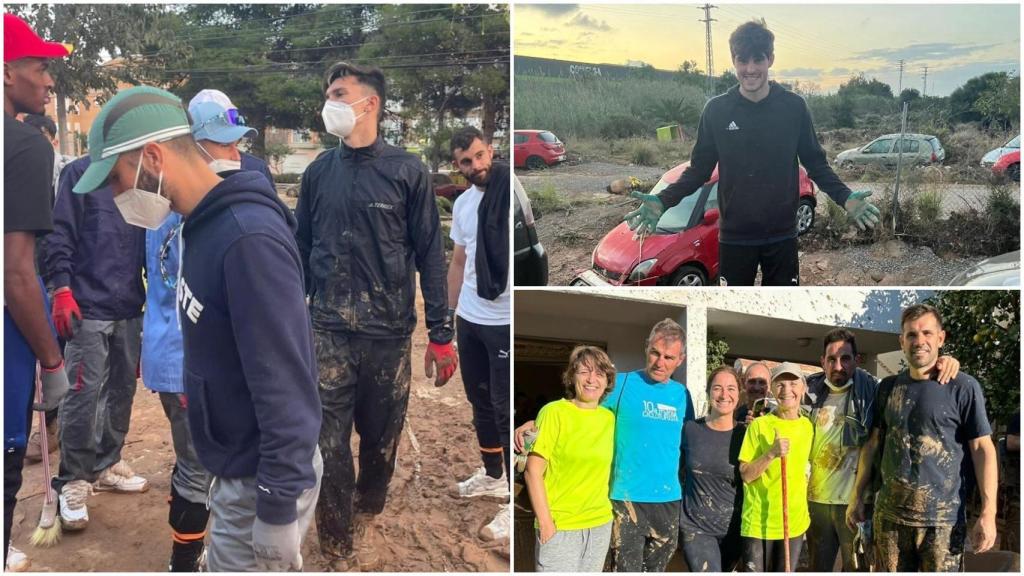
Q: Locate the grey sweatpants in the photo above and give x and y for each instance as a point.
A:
(94, 415)
(575, 550)
(233, 512)
(188, 477)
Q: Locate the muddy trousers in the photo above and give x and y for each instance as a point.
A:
(190, 483)
(769, 555)
(363, 383)
(94, 415)
(574, 550)
(828, 536)
(233, 513)
(644, 535)
(484, 364)
(780, 265)
(707, 553)
(900, 548)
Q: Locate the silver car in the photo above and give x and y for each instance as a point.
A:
(917, 149)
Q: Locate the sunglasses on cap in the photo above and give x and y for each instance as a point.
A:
(230, 117)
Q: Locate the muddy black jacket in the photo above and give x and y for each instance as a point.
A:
(367, 222)
(756, 146)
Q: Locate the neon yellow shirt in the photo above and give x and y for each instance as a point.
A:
(578, 445)
(762, 498)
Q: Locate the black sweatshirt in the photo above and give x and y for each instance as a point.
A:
(757, 145)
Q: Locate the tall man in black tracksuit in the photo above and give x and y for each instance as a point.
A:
(756, 132)
(367, 223)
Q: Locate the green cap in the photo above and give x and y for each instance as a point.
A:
(133, 118)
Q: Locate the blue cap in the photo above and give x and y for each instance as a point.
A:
(212, 121)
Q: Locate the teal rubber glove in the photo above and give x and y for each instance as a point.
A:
(861, 211)
(644, 220)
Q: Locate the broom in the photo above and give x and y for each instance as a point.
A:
(785, 515)
(47, 533)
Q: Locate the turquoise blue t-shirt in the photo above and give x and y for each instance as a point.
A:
(649, 419)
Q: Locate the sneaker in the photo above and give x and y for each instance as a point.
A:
(480, 484)
(34, 450)
(498, 528)
(74, 515)
(17, 561)
(120, 478)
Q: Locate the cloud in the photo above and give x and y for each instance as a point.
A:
(918, 52)
(550, 43)
(839, 71)
(550, 9)
(801, 72)
(584, 21)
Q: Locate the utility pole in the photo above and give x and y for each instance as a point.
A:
(710, 88)
(900, 91)
(924, 88)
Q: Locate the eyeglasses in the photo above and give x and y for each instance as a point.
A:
(169, 277)
(231, 117)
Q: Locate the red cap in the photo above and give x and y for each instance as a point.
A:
(21, 42)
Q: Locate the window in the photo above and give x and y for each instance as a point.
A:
(1015, 143)
(547, 137)
(910, 146)
(520, 138)
(677, 218)
(879, 147)
(712, 202)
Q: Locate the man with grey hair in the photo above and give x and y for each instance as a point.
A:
(650, 410)
(755, 387)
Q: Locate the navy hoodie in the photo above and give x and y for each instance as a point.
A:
(250, 368)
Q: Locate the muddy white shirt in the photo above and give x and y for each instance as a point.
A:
(833, 467)
(472, 307)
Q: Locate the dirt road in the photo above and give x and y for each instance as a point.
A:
(422, 528)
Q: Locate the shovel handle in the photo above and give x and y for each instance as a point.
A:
(785, 514)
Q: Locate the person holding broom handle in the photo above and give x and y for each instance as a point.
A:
(773, 465)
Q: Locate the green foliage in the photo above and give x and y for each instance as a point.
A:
(444, 205)
(963, 101)
(1000, 104)
(644, 154)
(983, 333)
(717, 349)
(287, 178)
(909, 95)
(276, 154)
(545, 199)
(1002, 217)
(860, 86)
(928, 206)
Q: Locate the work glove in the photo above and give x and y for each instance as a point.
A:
(276, 547)
(445, 357)
(64, 310)
(861, 211)
(55, 386)
(644, 220)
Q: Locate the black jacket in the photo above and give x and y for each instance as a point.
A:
(367, 222)
(756, 146)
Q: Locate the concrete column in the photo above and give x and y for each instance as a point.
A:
(696, 323)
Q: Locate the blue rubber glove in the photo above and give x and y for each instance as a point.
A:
(644, 220)
(863, 213)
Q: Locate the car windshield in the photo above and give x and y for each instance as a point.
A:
(1015, 143)
(547, 137)
(677, 217)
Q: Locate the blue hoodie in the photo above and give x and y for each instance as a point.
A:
(250, 368)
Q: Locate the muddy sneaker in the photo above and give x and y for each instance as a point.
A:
(480, 484)
(498, 528)
(34, 450)
(17, 561)
(120, 478)
(73, 512)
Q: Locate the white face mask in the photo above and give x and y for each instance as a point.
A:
(339, 118)
(142, 208)
(219, 166)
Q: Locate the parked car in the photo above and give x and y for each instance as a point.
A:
(529, 257)
(683, 251)
(1008, 164)
(1001, 271)
(536, 149)
(448, 185)
(917, 149)
(992, 156)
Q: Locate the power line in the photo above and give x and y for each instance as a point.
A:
(900, 89)
(924, 88)
(710, 84)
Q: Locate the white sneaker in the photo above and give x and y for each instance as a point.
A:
(74, 515)
(480, 484)
(498, 528)
(120, 478)
(17, 561)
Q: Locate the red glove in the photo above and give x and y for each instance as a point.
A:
(446, 358)
(64, 308)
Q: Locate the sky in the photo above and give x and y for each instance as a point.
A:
(819, 45)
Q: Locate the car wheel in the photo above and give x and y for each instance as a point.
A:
(535, 163)
(804, 216)
(689, 276)
(1013, 171)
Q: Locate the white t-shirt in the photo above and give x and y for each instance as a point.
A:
(472, 307)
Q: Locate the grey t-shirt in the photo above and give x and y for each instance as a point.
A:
(712, 491)
(925, 426)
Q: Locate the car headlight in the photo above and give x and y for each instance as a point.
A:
(642, 269)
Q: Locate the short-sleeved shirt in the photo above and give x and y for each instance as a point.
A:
(649, 419)
(472, 307)
(712, 497)
(833, 466)
(924, 426)
(28, 179)
(578, 445)
(762, 498)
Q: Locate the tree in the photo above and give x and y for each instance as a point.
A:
(1000, 103)
(860, 86)
(909, 95)
(963, 100)
(983, 332)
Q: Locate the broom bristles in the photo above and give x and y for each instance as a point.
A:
(45, 537)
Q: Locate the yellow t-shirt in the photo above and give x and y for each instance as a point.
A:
(762, 498)
(578, 445)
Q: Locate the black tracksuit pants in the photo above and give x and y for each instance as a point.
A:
(485, 368)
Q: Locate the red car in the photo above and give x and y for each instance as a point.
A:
(1009, 164)
(684, 250)
(536, 149)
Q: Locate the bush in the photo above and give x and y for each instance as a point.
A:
(621, 126)
(643, 154)
(928, 206)
(287, 178)
(545, 200)
(444, 205)
(1002, 216)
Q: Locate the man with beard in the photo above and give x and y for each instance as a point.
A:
(921, 427)
(478, 292)
(755, 387)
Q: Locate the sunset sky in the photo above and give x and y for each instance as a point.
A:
(820, 44)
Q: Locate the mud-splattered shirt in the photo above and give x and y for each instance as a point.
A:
(833, 466)
(712, 493)
(924, 426)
